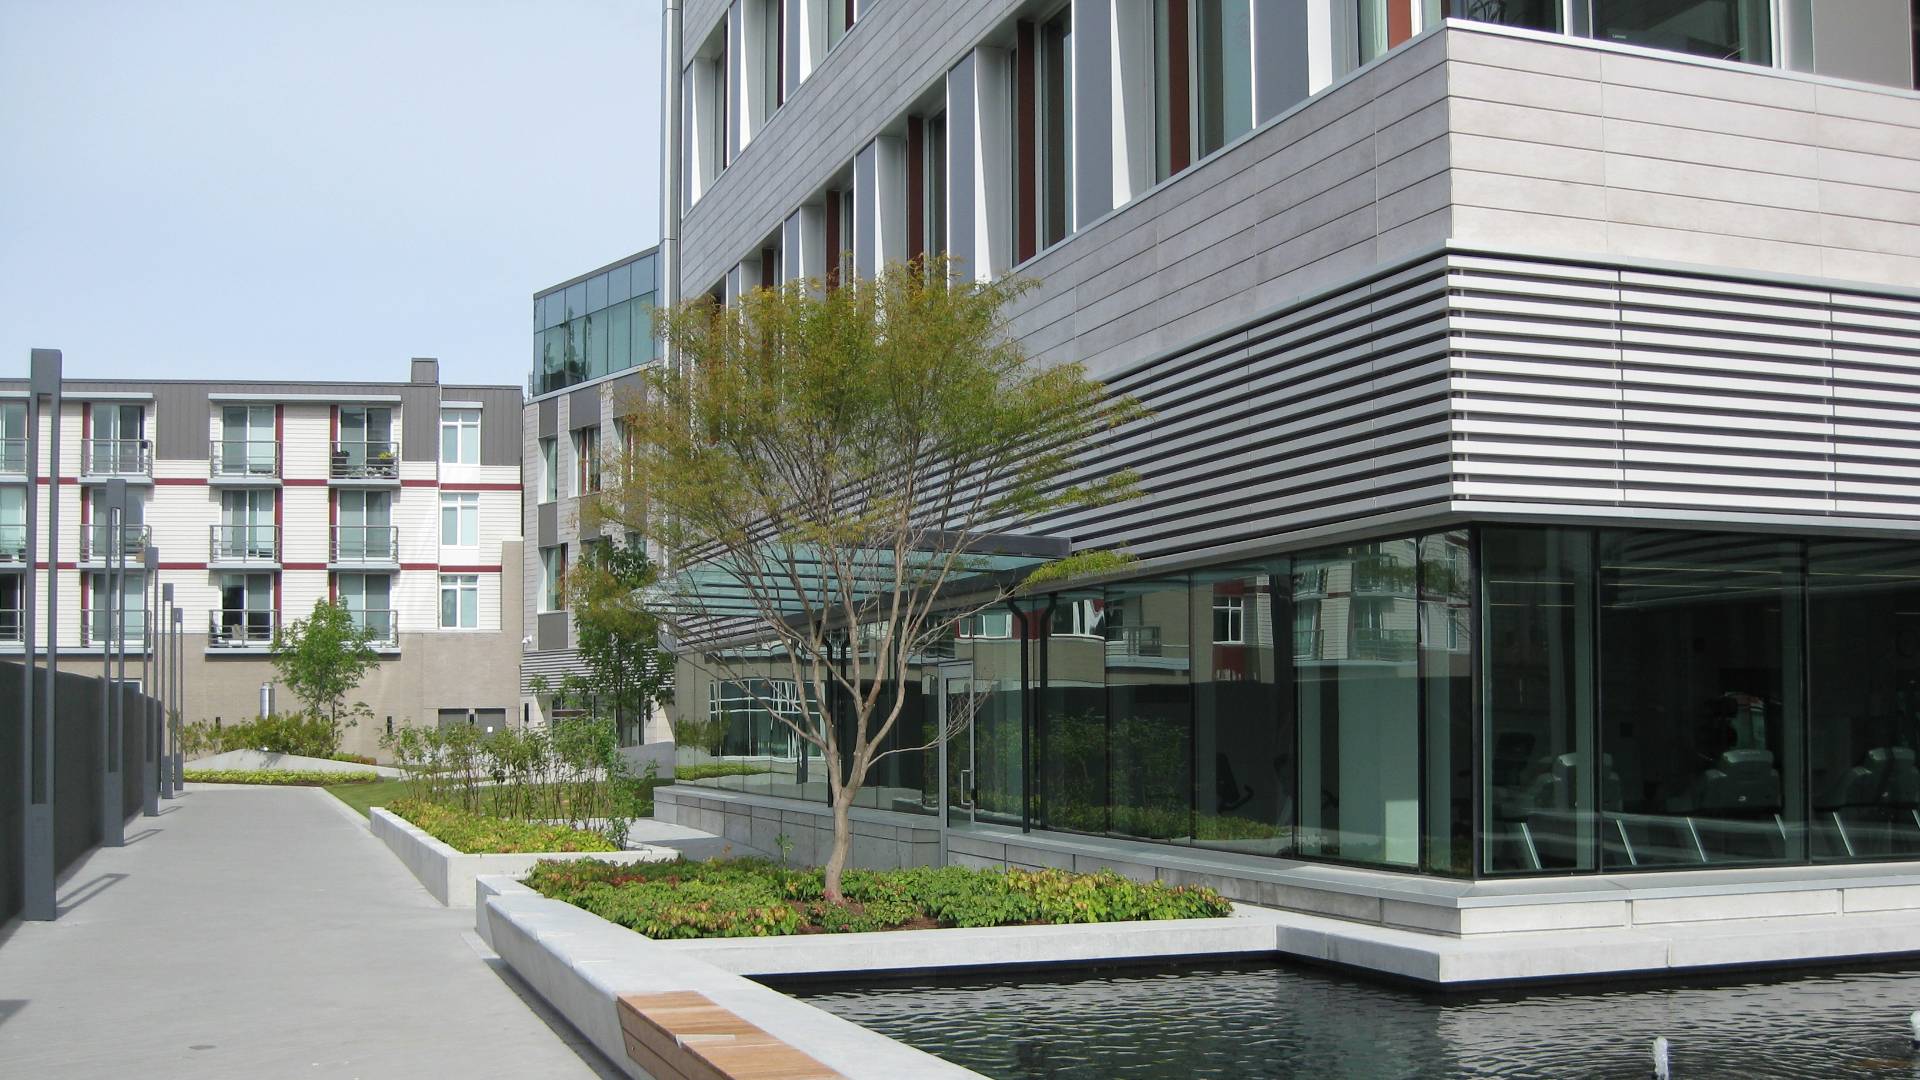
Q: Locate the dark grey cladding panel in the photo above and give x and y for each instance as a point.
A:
(420, 423)
(548, 527)
(549, 418)
(623, 388)
(553, 631)
(182, 418)
(583, 408)
(500, 420)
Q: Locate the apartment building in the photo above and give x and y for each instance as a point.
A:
(398, 500)
(1530, 491)
(591, 335)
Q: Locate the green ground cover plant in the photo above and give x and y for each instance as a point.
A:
(284, 777)
(757, 898)
(482, 834)
(363, 797)
(708, 770)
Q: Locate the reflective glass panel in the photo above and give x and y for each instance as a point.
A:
(1072, 725)
(1700, 700)
(1446, 682)
(1724, 29)
(1535, 14)
(1243, 734)
(1150, 710)
(1224, 68)
(1864, 693)
(1358, 703)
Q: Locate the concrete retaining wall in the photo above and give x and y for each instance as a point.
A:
(882, 839)
(449, 875)
(76, 751)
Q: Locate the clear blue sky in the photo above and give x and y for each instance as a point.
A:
(301, 189)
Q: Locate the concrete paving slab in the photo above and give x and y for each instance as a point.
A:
(256, 932)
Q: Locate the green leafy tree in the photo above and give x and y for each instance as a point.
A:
(818, 468)
(618, 639)
(322, 659)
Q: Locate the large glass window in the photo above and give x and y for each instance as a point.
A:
(1535, 14)
(13, 436)
(459, 601)
(1700, 699)
(1150, 709)
(459, 518)
(937, 184)
(13, 524)
(1223, 67)
(1864, 685)
(586, 457)
(1359, 707)
(553, 567)
(1055, 157)
(1072, 727)
(549, 469)
(1243, 734)
(1537, 589)
(1446, 681)
(1724, 29)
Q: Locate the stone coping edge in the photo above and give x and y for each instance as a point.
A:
(449, 874)
(580, 964)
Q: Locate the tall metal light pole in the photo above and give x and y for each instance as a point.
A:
(169, 779)
(113, 827)
(36, 737)
(149, 720)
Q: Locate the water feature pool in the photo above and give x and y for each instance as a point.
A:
(1271, 1019)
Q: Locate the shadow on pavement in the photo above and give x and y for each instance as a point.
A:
(581, 1046)
(86, 892)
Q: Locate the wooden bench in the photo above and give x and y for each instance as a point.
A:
(685, 1036)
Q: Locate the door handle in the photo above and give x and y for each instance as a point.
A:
(966, 788)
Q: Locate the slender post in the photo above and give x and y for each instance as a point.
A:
(175, 688)
(36, 739)
(672, 161)
(113, 828)
(169, 777)
(149, 719)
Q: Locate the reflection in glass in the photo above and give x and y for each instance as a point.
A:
(1149, 708)
(1446, 680)
(1072, 726)
(1724, 29)
(1864, 685)
(1056, 127)
(1224, 68)
(1243, 735)
(1700, 646)
(1358, 704)
(1534, 14)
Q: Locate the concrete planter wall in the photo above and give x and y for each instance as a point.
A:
(449, 875)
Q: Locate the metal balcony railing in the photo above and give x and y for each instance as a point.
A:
(97, 628)
(116, 457)
(1381, 576)
(381, 626)
(96, 542)
(1380, 643)
(365, 544)
(12, 625)
(1308, 584)
(13, 456)
(13, 544)
(1133, 641)
(235, 628)
(243, 459)
(359, 459)
(243, 544)
(1306, 644)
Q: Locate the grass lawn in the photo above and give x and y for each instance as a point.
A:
(364, 796)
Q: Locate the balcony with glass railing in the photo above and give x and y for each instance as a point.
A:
(13, 623)
(13, 545)
(1124, 641)
(365, 545)
(244, 461)
(369, 460)
(1381, 643)
(381, 626)
(116, 457)
(243, 545)
(241, 628)
(96, 543)
(13, 458)
(1306, 645)
(97, 630)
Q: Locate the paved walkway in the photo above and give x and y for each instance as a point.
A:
(259, 932)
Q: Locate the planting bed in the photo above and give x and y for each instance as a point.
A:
(283, 777)
(755, 898)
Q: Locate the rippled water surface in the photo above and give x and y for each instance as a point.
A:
(1273, 1020)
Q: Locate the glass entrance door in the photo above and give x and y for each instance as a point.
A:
(958, 702)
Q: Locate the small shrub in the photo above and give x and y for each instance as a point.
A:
(756, 898)
(303, 734)
(479, 834)
(356, 759)
(283, 777)
(708, 770)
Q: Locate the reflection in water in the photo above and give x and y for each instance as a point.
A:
(1272, 1020)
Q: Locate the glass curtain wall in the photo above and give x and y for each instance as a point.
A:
(598, 326)
(1150, 710)
(1243, 731)
(1072, 751)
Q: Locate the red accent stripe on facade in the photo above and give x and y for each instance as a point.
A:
(63, 566)
(183, 566)
(68, 480)
(181, 481)
(419, 483)
(303, 566)
(304, 481)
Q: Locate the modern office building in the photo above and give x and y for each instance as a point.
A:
(398, 500)
(591, 334)
(1531, 491)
